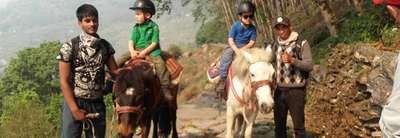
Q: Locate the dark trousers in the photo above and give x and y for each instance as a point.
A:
(292, 100)
(72, 128)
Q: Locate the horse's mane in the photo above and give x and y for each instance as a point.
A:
(128, 76)
(240, 64)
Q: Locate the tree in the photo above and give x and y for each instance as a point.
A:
(212, 32)
(33, 69)
(358, 4)
(328, 15)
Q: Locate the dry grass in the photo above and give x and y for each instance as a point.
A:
(195, 64)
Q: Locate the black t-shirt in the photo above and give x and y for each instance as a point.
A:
(87, 65)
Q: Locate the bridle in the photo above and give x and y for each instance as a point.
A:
(257, 84)
(254, 85)
(128, 108)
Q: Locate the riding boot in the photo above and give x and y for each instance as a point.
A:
(220, 88)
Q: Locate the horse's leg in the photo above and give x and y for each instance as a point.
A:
(173, 119)
(164, 121)
(230, 122)
(249, 124)
(155, 123)
(249, 129)
(146, 127)
(239, 125)
(173, 111)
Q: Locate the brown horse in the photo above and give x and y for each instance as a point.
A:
(137, 98)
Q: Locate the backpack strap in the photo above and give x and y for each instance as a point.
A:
(75, 47)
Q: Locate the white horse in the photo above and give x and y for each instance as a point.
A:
(250, 87)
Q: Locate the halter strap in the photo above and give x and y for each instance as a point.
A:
(253, 86)
(128, 109)
(257, 84)
(230, 85)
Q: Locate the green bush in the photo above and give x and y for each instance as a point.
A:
(24, 115)
(213, 31)
(53, 109)
(365, 28)
(175, 50)
(390, 37)
(33, 69)
(322, 49)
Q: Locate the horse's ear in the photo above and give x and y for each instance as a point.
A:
(247, 56)
(268, 51)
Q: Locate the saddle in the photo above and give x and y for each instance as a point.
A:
(174, 68)
(172, 65)
(213, 71)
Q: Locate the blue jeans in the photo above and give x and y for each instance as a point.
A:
(226, 60)
(70, 128)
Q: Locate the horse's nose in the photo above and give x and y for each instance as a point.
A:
(264, 106)
(120, 135)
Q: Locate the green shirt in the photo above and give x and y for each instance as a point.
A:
(144, 34)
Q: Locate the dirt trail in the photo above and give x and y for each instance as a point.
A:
(204, 116)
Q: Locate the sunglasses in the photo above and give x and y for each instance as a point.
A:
(248, 16)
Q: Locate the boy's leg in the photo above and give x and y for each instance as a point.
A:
(164, 77)
(226, 60)
(70, 128)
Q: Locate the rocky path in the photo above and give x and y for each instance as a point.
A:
(204, 116)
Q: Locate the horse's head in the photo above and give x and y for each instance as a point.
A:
(260, 74)
(129, 91)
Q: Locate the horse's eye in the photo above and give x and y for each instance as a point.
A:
(251, 74)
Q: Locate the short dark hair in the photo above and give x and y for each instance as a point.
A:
(86, 10)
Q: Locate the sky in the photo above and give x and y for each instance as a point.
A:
(3, 3)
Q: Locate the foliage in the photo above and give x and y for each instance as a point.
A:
(366, 27)
(204, 9)
(390, 36)
(322, 49)
(24, 115)
(28, 93)
(53, 109)
(175, 50)
(34, 69)
(213, 31)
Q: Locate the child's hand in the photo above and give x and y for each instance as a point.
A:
(142, 54)
(134, 54)
(237, 51)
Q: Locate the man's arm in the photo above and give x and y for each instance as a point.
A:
(65, 72)
(112, 65)
(306, 63)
